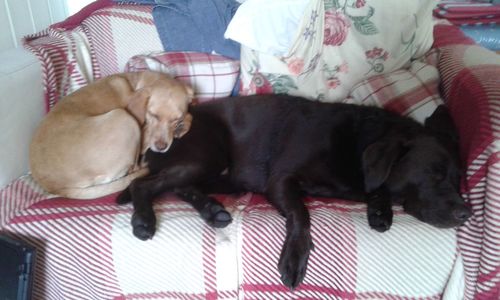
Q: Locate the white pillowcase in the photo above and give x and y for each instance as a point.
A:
(267, 26)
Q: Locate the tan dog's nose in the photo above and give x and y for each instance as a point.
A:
(161, 146)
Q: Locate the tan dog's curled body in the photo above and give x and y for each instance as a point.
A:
(89, 144)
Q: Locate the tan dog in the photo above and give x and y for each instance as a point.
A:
(89, 144)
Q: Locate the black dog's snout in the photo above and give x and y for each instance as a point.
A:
(462, 213)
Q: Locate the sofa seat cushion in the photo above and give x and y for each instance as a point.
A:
(211, 76)
(86, 250)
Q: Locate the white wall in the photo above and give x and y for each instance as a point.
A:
(21, 17)
(75, 5)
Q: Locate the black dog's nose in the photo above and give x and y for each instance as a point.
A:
(462, 213)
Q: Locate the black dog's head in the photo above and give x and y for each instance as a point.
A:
(421, 172)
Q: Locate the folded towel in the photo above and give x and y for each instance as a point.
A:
(468, 13)
(267, 26)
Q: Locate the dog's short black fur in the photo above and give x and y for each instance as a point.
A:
(285, 147)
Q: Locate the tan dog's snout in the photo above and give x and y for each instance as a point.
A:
(160, 107)
(160, 146)
(162, 134)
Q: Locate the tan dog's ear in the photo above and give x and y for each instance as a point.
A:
(138, 103)
(183, 126)
(189, 92)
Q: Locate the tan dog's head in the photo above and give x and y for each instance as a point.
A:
(160, 104)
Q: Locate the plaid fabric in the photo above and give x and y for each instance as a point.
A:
(86, 250)
(470, 86)
(412, 92)
(211, 76)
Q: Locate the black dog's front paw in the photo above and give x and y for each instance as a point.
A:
(293, 260)
(216, 215)
(380, 217)
(124, 197)
(144, 225)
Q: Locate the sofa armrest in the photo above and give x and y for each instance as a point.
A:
(470, 86)
(119, 32)
(471, 89)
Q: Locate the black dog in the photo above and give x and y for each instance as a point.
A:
(286, 147)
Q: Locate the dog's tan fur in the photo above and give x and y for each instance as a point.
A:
(89, 144)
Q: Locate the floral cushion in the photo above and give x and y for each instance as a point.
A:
(211, 76)
(340, 43)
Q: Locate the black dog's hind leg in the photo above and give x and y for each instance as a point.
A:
(286, 195)
(210, 209)
(379, 210)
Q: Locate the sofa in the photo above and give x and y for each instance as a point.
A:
(86, 250)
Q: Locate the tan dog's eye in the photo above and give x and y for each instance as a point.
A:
(178, 128)
(153, 116)
(178, 125)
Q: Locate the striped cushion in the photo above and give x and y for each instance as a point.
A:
(412, 92)
(211, 76)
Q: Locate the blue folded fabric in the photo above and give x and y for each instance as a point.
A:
(194, 25)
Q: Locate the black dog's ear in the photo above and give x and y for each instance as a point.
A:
(377, 160)
(440, 124)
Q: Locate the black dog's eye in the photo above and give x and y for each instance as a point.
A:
(439, 177)
(438, 173)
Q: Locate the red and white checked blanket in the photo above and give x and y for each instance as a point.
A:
(86, 250)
